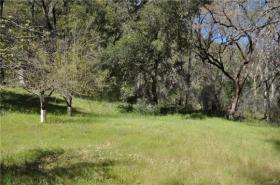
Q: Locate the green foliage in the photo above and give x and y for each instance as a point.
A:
(116, 50)
(145, 108)
(144, 55)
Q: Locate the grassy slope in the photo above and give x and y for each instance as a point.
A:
(99, 145)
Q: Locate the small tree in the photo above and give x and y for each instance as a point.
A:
(36, 76)
(73, 73)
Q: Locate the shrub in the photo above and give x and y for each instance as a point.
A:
(146, 108)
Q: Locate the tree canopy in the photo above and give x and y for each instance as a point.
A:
(220, 57)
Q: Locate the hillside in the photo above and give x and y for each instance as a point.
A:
(101, 145)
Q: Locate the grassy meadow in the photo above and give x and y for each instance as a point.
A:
(101, 145)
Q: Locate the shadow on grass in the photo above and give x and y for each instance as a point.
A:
(84, 118)
(76, 120)
(27, 103)
(157, 110)
(196, 115)
(264, 174)
(276, 144)
(45, 168)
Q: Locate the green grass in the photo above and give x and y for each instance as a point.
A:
(100, 145)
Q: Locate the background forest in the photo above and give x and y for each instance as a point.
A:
(181, 56)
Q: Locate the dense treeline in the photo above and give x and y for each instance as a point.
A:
(220, 57)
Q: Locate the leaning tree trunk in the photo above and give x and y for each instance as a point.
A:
(43, 110)
(235, 102)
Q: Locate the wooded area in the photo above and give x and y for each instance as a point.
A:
(181, 56)
(140, 92)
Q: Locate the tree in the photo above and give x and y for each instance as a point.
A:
(28, 48)
(153, 49)
(232, 27)
(145, 50)
(269, 67)
(73, 72)
(36, 70)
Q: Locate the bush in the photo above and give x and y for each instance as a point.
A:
(196, 115)
(163, 109)
(126, 108)
(209, 100)
(146, 108)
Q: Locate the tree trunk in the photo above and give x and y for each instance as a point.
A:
(188, 79)
(147, 92)
(43, 110)
(272, 92)
(2, 73)
(32, 12)
(21, 76)
(69, 106)
(235, 102)
(1, 8)
(69, 110)
(267, 104)
(154, 91)
(154, 83)
(43, 115)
